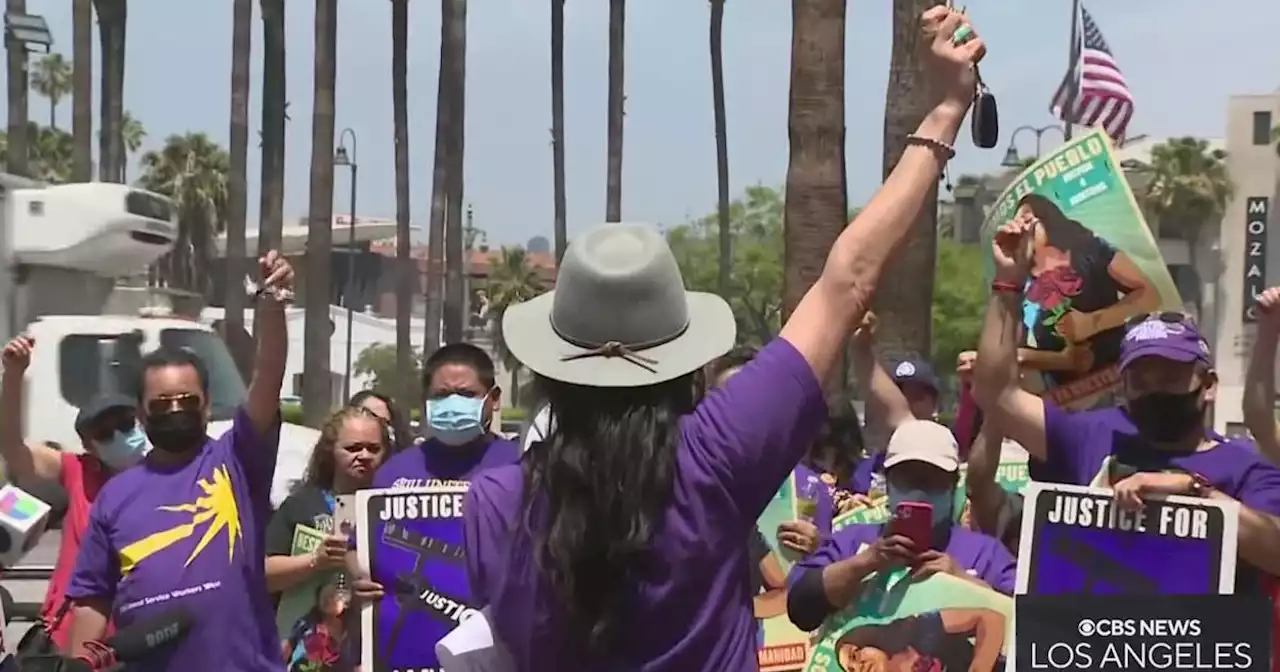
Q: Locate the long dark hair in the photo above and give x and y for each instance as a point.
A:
(596, 491)
(399, 428)
(321, 466)
(1062, 232)
(840, 443)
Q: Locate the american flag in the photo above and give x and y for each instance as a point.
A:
(1101, 96)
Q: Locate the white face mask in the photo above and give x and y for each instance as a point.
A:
(125, 449)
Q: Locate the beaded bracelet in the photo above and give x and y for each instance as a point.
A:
(946, 151)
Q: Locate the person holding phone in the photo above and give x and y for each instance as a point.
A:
(922, 464)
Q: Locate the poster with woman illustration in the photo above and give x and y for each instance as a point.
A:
(1095, 266)
(941, 624)
(780, 645)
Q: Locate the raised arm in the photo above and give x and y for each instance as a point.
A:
(1260, 380)
(835, 304)
(23, 461)
(263, 405)
(1018, 413)
(884, 399)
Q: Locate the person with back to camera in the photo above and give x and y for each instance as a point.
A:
(1167, 384)
(184, 530)
(108, 429)
(619, 543)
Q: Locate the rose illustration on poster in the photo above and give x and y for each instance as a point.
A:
(1094, 266)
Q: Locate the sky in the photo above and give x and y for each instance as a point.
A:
(1182, 59)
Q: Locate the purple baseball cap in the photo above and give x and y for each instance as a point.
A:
(1179, 341)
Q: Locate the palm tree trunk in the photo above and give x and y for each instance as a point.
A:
(904, 299)
(316, 399)
(557, 128)
(112, 20)
(722, 141)
(439, 192)
(404, 264)
(815, 209)
(617, 101)
(237, 183)
(53, 112)
(18, 138)
(454, 261)
(271, 180)
(82, 89)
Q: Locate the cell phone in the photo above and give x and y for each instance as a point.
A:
(914, 520)
(344, 514)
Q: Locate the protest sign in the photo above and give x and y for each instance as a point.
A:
(411, 542)
(1076, 541)
(298, 600)
(781, 646)
(941, 623)
(1092, 249)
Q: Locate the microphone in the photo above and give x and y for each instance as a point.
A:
(136, 642)
(23, 518)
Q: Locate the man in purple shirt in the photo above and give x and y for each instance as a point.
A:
(1155, 442)
(462, 399)
(620, 542)
(184, 531)
(922, 464)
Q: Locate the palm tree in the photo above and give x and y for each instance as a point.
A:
(49, 153)
(18, 155)
(439, 188)
(315, 372)
(238, 179)
(617, 103)
(404, 264)
(815, 207)
(52, 79)
(904, 297)
(511, 280)
(112, 19)
(1187, 191)
(133, 133)
(274, 117)
(455, 290)
(557, 128)
(722, 142)
(192, 170)
(82, 88)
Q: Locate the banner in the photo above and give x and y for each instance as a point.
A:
(297, 601)
(941, 623)
(411, 542)
(1095, 265)
(1076, 541)
(781, 646)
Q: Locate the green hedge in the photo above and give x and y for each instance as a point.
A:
(291, 413)
(514, 414)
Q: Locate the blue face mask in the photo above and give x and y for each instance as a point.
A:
(456, 419)
(125, 449)
(943, 503)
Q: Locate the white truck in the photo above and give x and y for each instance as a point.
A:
(62, 250)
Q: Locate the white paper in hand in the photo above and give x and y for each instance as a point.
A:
(472, 647)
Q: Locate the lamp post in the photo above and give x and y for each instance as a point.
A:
(1011, 158)
(23, 34)
(342, 158)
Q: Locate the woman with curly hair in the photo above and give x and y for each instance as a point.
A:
(353, 443)
(382, 406)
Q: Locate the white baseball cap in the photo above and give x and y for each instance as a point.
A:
(923, 441)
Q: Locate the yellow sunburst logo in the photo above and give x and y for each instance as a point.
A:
(217, 507)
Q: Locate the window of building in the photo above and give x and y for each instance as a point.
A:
(1262, 128)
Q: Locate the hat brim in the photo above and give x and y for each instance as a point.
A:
(526, 329)
(1170, 354)
(949, 466)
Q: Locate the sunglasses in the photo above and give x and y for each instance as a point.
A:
(1166, 316)
(106, 427)
(174, 402)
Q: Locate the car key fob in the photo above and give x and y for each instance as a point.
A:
(985, 122)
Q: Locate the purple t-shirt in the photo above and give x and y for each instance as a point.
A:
(985, 557)
(430, 460)
(1077, 444)
(693, 611)
(190, 538)
(865, 472)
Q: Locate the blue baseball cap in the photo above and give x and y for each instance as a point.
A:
(1168, 338)
(915, 371)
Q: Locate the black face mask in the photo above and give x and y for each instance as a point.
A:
(176, 431)
(1165, 417)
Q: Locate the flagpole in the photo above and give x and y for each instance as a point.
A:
(1073, 67)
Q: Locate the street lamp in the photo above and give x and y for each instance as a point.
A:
(1011, 158)
(342, 158)
(22, 32)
